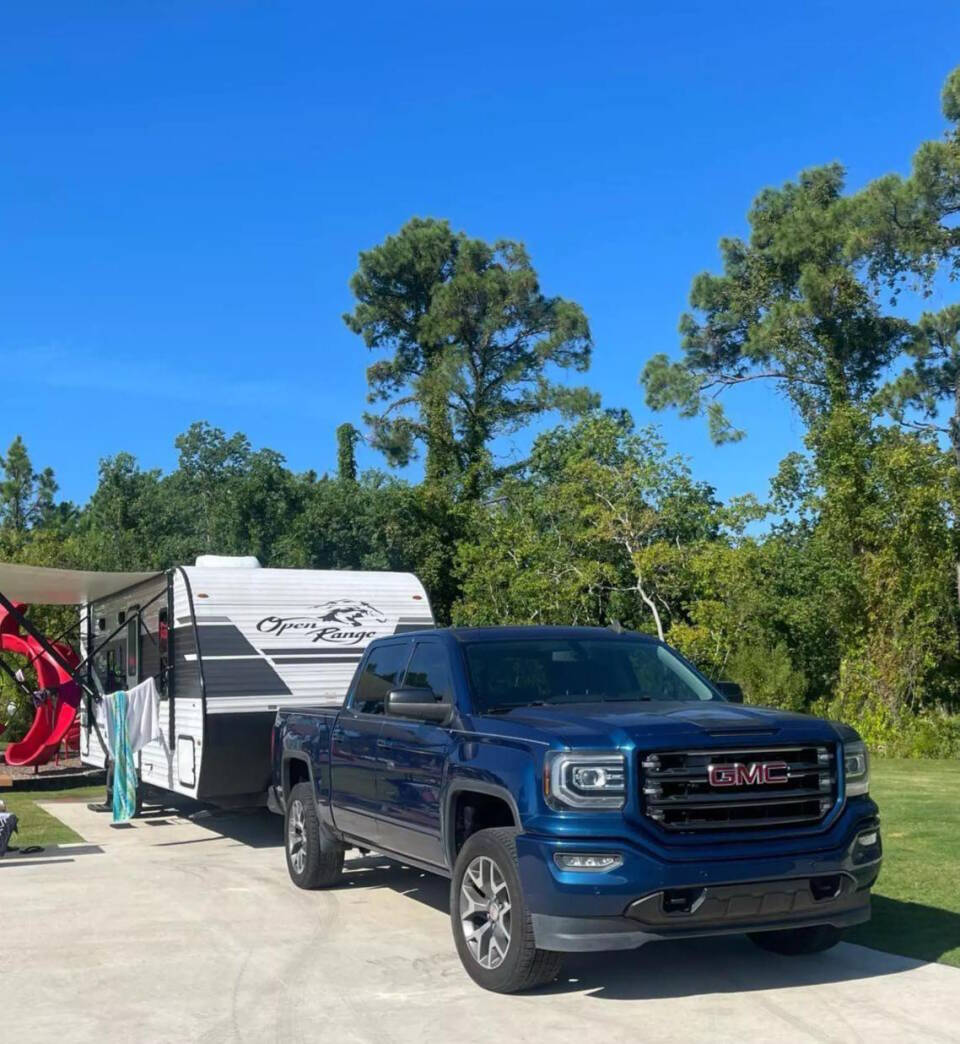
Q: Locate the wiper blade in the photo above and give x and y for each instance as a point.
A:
(504, 708)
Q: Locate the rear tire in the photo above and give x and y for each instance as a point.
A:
(314, 858)
(492, 926)
(792, 942)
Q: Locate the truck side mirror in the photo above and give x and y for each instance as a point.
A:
(730, 691)
(422, 704)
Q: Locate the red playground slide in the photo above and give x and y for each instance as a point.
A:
(54, 717)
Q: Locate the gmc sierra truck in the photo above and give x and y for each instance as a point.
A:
(583, 790)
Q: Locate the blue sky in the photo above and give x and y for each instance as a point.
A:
(185, 185)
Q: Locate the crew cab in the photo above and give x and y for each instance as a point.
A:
(583, 790)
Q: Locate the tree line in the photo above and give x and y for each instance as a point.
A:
(839, 592)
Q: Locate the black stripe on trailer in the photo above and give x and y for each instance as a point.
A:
(222, 640)
(242, 677)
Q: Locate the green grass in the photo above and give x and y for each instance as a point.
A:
(916, 902)
(38, 827)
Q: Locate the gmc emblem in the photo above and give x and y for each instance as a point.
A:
(757, 773)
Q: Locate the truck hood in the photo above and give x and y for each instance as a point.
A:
(658, 725)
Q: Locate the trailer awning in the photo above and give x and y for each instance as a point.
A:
(36, 585)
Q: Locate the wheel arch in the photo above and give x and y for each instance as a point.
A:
(296, 768)
(459, 788)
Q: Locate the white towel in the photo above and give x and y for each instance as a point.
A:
(143, 717)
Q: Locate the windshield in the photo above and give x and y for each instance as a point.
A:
(525, 672)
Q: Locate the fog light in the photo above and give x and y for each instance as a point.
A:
(867, 839)
(590, 862)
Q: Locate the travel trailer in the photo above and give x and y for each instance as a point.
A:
(228, 642)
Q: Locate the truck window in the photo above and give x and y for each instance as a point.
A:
(381, 673)
(519, 672)
(429, 668)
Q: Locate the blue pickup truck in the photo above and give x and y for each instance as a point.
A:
(583, 790)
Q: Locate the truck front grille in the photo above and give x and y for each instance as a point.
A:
(746, 788)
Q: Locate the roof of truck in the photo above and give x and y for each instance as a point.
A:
(489, 634)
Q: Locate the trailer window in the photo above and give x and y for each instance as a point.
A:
(110, 665)
(381, 672)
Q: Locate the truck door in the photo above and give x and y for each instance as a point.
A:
(414, 755)
(354, 757)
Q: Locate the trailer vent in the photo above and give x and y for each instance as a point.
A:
(745, 788)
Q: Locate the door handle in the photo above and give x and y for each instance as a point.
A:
(382, 744)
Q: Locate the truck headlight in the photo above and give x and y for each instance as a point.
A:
(856, 768)
(584, 780)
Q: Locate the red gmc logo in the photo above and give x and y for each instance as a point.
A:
(756, 773)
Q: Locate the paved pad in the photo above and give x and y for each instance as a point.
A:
(171, 929)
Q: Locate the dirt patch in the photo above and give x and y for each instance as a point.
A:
(67, 766)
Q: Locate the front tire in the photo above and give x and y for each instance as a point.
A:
(792, 942)
(492, 926)
(314, 859)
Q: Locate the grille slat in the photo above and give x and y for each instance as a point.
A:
(678, 793)
(707, 801)
(700, 775)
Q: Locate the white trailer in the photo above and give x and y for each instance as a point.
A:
(228, 642)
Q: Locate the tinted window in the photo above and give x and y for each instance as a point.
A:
(521, 672)
(429, 668)
(381, 673)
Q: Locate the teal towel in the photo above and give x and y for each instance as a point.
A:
(125, 769)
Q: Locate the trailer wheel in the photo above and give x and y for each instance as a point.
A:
(314, 858)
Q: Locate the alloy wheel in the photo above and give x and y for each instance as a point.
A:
(296, 837)
(485, 912)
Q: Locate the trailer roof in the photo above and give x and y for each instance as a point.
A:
(37, 585)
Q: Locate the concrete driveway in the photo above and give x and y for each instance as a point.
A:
(171, 929)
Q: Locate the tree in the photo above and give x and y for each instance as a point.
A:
(907, 229)
(869, 614)
(377, 522)
(210, 464)
(26, 496)
(473, 343)
(791, 307)
(126, 522)
(599, 527)
(347, 436)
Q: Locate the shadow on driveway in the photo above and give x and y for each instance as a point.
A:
(727, 964)
(915, 930)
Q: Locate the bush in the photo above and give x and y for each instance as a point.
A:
(897, 734)
(21, 719)
(768, 676)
